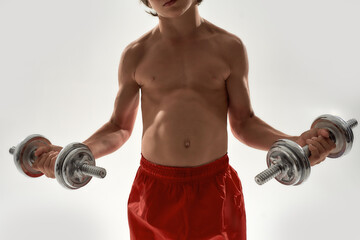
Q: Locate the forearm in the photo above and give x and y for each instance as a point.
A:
(256, 133)
(107, 139)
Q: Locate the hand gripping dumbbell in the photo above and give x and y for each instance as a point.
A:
(74, 166)
(289, 163)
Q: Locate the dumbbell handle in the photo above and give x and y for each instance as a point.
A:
(268, 174)
(86, 169)
(276, 169)
(351, 124)
(12, 150)
(93, 171)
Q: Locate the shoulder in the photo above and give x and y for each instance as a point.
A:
(232, 50)
(133, 53)
(227, 39)
(231, 46)
(137, 48)
(233, 43)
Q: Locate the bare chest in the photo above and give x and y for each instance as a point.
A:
(197, 66)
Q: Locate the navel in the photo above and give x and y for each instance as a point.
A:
(187, 143)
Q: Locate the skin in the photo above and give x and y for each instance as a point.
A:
(192, 75)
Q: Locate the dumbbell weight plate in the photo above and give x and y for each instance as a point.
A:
(340, 129)
(23, 155)
(68, 162)
(292, 155)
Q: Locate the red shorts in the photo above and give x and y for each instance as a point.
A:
(185, 203)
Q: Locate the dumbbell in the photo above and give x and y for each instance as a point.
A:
(74, 166)
(289, 163)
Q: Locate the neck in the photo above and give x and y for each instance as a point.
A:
(183, 26)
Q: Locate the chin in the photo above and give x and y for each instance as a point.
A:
(177, 10)
(172, 14)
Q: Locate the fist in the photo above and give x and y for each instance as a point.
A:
(319, 142)
(45, 158)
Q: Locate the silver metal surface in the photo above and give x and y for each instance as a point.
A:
(352, 123)
(12, 150)
(293, 157)
(23, 154)
(306, 151)
(341, 130)
(75, 166)
(93, 171)
(289, 164)
(268, 174)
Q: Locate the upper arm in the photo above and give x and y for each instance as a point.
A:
(237, 85)
(127, 99)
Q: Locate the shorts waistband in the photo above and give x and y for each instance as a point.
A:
(185, 173)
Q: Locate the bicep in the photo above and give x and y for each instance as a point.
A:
(237, 84)
(127, 99)
(126, 106)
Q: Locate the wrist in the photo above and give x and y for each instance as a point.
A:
(294, 138)
(89, 145)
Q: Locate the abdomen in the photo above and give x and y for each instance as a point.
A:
(184, 129)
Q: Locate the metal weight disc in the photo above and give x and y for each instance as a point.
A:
(23, 155)
(339, 128)
(68, 162)
(289, 154)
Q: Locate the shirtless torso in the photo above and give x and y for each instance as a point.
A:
(184, 98)
(192, 75)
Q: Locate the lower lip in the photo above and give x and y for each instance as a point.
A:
(170, 3)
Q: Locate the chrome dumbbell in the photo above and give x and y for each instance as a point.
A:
(289, 163)
(74, 167)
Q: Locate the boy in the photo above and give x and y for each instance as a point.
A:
(192, 74)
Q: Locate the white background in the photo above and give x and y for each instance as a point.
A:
(59, 61)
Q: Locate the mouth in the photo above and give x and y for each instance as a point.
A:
(169, 3)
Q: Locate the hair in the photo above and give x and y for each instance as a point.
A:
(146, 3)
